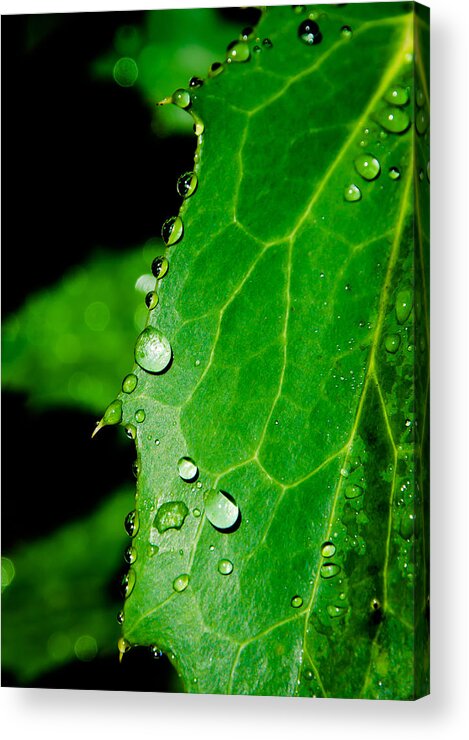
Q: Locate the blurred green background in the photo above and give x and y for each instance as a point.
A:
(89, 172)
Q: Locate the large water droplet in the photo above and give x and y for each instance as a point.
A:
(221, 509)
(328, 550)
(397, 95)
(181, 98)
(128, 583)
(329, 570)
(296, 602)
(187, 469)
(394, 120)
(367, 166)
(394, 173)
(170, 515)
(130, 555)
(225, 567)
(152, 350)
(352, 193)
(353, 491)
(159, 267)
(238, 51)
(172, 230)
(113, 413)
(181, 582)
(129, 383)
(187, 184)
(215, 69)
(309, 33)
(392, 343)
(140, 416)
(123, 646)
(132, 523)
(404, 303)
(151, 300)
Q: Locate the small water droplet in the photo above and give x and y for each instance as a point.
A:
(406, 528)
(215, 69)
(392, 343)
(128, 583)
(156, 653)
(159, 267)
(120, 617)
(397, 95)
(129, 383)
(353, 491)
(172, 230)
(151, 300)
(113, 413)
(336, 611)
(181, 98)
(221, 509)
(211, 548)
(421, 121)
(225, 567)
(346, 32)
(157, 442)
(152, 350)
(135, 468)
(296, 602)
(187, 469)
(309, 33)
(125, 72)
(196, 513)
(140, 415)
(329, 570)
(195, 82)
(181, 582)
(367, 166)
(170, 515)
(131, 431)
(238, 51)
(132, 523)
(152, 550)
(246, 33)
(130, 555)
(408, 423)
(198, 128)
(328, 550)
(256, 49)
(404, 302)
(267, 43)
(308, 674)
(352, 193)
(394, 120)
(187, 184)
(394, 173)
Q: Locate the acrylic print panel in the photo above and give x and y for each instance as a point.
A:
(267, 353)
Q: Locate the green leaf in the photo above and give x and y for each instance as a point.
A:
(56, 605)
(298, 381)
(70, 343)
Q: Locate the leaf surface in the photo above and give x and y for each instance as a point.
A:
(298, 380)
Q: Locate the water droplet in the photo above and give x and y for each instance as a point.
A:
(394, 173)
(215, 69)
(238, 51)
(140, 415)
(421, 121)
(135, 468)
(152, 350)
(156, 653)
(299, 9)
(397, 95)
(187, 184)
(392, 343)
(256, 49)
(123, 646)
(221, 509)
(428, 170)
(367, 166)
(404, 302)
(195, 82)
(129, 383)
(296, 602)
(309, 33)
(152, 550)
(172, 230)
(181, 582)
(420, 98)
(329, 570)
(132, 523)
(125, 72)
(157, 442)
(336, 611)
(159, 267)
(196, 513)
(170, 515)
(328, 550)
(128, 583)
(225, 567)
(408, 423)
(181, 98)
(198, 128)
(375, 604)
(151, 300)
(246, 33)
(394, 120)
(130, 555)
(267, 43)
(113, 413)
(346, 32)
(308, 674)
(187, 469)
(406, 528)
(352, 193)
(120, 617)
(421, 174)
(131, 431)
(353, 491)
